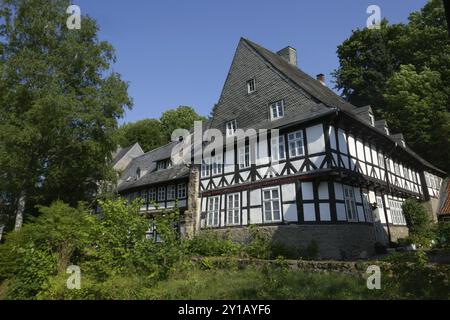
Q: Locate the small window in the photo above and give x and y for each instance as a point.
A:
(372, 120)
(213, 212)
(271, 204)
(138, 173)
(152, 195)
(182, 191)
(396, 169)
(161, 193)
(171, 192)
(381, 160)
(251, 86)
(367, 207)
(296, 148)
(244, 157)
(278, 149)
(277, 110)
(217, 165)
(406, 173)
(206, 168)
(164, 164)
(231, 127)
(233, 209)
(350, 204)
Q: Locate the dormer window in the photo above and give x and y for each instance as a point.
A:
(277, 110)
(138, 173)
(164, 164)
(372, 120)
(251, 86)
(231, 127)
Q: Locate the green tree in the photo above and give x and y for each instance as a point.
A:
(182, 117)
(374, 70)
(148, 132)
(416, 106)
(59, 106)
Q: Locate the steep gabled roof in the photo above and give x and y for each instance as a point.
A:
(302, 79)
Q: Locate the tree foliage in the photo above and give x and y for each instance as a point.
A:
(374, 68)
(59, 105)
(153, 133)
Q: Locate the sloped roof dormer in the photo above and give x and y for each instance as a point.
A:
(366, 114)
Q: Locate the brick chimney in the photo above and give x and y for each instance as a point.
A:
(321, 78)
(289, 54)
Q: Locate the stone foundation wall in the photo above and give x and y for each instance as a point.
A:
(339, 242)
(398, 232)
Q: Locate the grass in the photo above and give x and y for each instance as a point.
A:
(259, 283)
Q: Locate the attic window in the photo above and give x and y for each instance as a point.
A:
(164, 164)
(251, 86)
(277, 110)
(138, 173)
(231, 127)
(372, 120)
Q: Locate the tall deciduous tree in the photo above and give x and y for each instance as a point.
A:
(182, 117)
(148, 132)
(374, 68)
(59, 105)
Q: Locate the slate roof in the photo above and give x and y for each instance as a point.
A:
(302, 79)
(147, 164)
(120, 153)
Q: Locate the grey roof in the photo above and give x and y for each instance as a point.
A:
(120, 153)
(147, 164)
(155, 177)
(302, 79)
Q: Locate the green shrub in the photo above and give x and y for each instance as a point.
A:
(443, 234)
(419, 224)
(210, 243)
(260, 244)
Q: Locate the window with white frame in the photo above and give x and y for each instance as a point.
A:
(381, 160)
(164, 164)
(206, 168)
(278, 149)
(396, 212)
(350, 204)
(396, 169)
(212, 219)
(152, 195)
(231, 127)
(251, 86)
(406, 173)
(296, 145)
(277, 110)
(171, 192)
(367, 208)
(372, 120)
(181, 191)
(244, 157)
(161, 193)
(271, 205)
(233, 209)
(217, 165)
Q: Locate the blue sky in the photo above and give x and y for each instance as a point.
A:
(178, 52)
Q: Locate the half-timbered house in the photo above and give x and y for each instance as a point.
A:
(334, 174)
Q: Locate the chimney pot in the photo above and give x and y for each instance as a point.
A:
(289, 54)
(321, 78)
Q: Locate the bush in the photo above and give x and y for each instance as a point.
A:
(210, 243)
(443, 234)
(419, 224)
